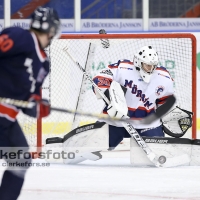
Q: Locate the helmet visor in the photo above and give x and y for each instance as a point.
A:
(55, 31)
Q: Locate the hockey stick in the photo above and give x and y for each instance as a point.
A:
(159, 161)
(82, 90)
(147, 120)
(28, 104)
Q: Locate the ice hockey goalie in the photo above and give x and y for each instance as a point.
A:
(88, 141)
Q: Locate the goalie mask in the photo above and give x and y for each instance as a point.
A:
(177, 122)
(146, 61)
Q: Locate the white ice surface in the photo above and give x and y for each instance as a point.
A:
(110, 178)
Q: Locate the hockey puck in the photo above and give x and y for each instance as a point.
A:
(102, 31)
(162, 159)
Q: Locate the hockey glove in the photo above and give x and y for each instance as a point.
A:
(177, 122)
(41, 108)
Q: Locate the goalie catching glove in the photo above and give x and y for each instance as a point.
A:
(117, 107)
(177, 122)
(40, 109)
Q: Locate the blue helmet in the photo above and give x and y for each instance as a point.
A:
(46, 20)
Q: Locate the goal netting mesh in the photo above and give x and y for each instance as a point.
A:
(66, 88)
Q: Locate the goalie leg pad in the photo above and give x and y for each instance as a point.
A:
(86, 142)
(180, 149)
(53, 146)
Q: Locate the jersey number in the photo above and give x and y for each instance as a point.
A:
(5, 43)
(28, 64)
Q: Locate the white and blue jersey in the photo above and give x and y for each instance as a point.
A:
(142, 98)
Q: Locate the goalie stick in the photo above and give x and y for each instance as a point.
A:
(159, 161)
(90, 55)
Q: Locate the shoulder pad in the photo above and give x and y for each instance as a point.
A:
(163, 72)
(161, 68)
(115, 65)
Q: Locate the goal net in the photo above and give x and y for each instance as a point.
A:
(66, 88)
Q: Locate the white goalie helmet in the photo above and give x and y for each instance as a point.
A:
(146, 61)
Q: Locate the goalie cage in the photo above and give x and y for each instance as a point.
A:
(65, 86)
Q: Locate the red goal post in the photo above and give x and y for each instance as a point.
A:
(65, 86)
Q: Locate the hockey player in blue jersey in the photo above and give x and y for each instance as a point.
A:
(23, 67)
